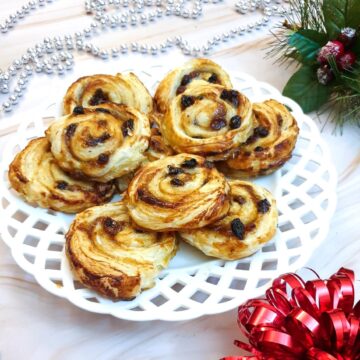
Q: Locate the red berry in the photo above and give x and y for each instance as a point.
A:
(347, 60)
(347, 36)
(324, 75)
(332, 48)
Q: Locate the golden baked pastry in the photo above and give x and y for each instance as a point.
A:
(35, 175)
(270, 145)
(208, 120)
(177, 192)
(193, 72)
(112, 256)
(250, 223)
(95, 90)
(158, 146)
(102, 143)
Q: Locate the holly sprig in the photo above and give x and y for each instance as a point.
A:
(323, 37)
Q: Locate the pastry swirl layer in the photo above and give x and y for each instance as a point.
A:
(249, 224)
(177, 192)
(35, 175)
(113, 256)
(102, 143)
(269, 146)
(192, 73)
(208, 120)
(96, 90)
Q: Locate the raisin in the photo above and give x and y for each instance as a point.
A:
(259, 148)
(235, 122)
(78, 110)
(186, 101)
(127, 127)
(230, 95)
(172, 170)
(111, 226)
(251, 139)
(263, 206)
(238, 228)
(194, 74)
(94, 141)
(185, 80)
(103, 159)
(176, 182)
(70, 130)
(239, 199)
(98, 98)
(213, 79)
(180, 90)
(261, 131)
(61, 185)
(101, 110)
(189, 164)
(217, 123)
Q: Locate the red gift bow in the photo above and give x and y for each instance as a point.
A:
(300, 320)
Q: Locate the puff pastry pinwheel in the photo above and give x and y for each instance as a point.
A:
(95, 90)
(35, 175)
(192, 73)
(270, 145)
(208, 120)
(177, 192)
(102, 143)
(112, 256)
(250, 223)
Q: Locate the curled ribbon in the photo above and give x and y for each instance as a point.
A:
(298, 320)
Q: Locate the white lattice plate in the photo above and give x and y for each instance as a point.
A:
(194, 284)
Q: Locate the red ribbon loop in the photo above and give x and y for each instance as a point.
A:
(298, 320)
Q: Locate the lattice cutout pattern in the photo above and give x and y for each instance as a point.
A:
(194, 284)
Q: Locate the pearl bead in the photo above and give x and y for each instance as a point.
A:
(133, 20)
(4, 88)
(186, 50)
(21, 83)
(17, 64)
(95, 51)
(87, 32)
(13, 99)
(60, 69)
(5, 76)
(24, 76)
(153, 50)
(225, 37)
(6, 106)
(32, 4)
(68, 64)
(123, 48)
(4, 28)
(163, 48)
(12, 70)
(134, 47)
(49, 48)
(143, 49)
(38, 68)
(104, 54)
(18, 91)
(205, 50)
(114, 52)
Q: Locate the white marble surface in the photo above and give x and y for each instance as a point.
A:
(37, 325)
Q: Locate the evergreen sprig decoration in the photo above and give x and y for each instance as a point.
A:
(323, 37)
